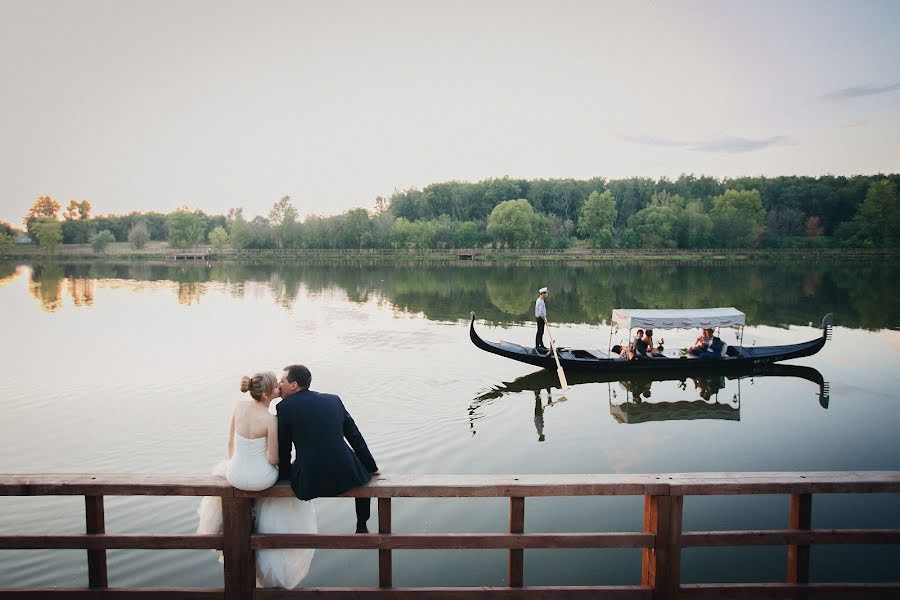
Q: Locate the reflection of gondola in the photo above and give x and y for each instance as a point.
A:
(683, 410)
(706, 386)
(576, 359)
(706, 405)
(540, 380)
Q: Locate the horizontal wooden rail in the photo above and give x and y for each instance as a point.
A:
(107, 541)
(472, 486)
(453, 541)
(698, 539)
(661, 541)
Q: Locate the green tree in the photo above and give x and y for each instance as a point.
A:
(697, 227)
(186, 228)
(101, 240)
(597, 219)
(355, 229)
(283, 217)
(47, 231)
(878, 219)
(467, 235)
(218, 237)
(139, 235)
(44, 206)
(511, 223)
(653, 227)
(738, 218)
(76, 227)
(6, 242)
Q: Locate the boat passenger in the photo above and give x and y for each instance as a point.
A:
(713, 348)
(653, 349)
(639, 346)
(702, 343)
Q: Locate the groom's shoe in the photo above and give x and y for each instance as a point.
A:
(361, 528)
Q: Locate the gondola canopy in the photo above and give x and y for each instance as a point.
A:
(627, 318)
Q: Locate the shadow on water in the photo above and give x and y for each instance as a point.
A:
(779, 295)
(694, 394)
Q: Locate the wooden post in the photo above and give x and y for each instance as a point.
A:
(661, 565)
(240, 561)
(385, 565)
(95, 522)
(798, 555)
(516, 556)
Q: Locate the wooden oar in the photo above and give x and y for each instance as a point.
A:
(563, 384)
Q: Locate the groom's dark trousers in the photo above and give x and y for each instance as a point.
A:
(325, 465)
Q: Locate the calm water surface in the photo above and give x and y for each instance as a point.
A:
(121, 368)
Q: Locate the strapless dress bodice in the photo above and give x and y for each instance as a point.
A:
(249, 469)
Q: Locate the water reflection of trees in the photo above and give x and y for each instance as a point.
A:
(780, 294)
(46, 286)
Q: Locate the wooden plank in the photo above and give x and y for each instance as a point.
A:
(464, 593)
(95, 523)
(516, 570)
(79, 484)
(787, 590)
(800, 517)
(113, 593)
(687, 484)
(385, 564)
(452, 541)
(442, 486)
(109, 541)
(784, 537)
(239, 559)
(493, 486)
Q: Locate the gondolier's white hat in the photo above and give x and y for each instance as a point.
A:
(543, 290)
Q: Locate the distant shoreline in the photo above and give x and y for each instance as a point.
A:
(161, 253)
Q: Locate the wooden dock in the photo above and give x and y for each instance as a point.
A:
(206, 254)
(661, 540)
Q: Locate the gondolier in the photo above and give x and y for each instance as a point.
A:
(540, 315)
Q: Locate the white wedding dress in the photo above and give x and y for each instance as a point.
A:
(249, 470)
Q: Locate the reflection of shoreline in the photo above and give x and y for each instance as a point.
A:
(500, 294)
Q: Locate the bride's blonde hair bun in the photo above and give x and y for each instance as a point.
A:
(259, 384)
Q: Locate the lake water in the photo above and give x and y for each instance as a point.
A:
(135, 369)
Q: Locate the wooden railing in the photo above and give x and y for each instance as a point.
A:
(661, 540)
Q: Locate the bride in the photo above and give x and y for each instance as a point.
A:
(253, 465)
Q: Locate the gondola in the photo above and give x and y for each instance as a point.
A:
(732, 357)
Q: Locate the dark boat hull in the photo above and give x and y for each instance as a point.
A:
(575, 359)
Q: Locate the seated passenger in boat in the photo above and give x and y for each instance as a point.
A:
(653, 349)
(702, 343)
(639, 346)
(713, 349)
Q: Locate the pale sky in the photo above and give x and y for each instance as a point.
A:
(150, 104)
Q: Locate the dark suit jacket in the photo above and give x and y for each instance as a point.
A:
(317, 425)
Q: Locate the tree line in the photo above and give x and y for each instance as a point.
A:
(688, 212)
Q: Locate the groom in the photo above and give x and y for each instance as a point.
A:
(317, 424)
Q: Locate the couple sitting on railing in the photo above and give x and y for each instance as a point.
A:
(259, 450)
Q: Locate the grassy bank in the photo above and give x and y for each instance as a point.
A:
(160, 251)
